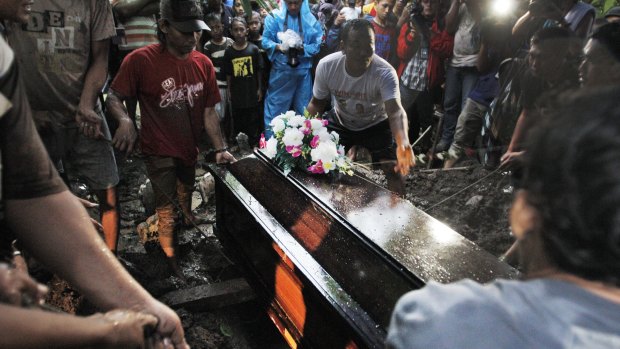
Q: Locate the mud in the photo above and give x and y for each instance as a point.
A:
(478, 212)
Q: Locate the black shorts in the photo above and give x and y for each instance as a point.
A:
(377, 139)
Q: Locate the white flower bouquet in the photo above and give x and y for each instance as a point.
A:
(304, 142)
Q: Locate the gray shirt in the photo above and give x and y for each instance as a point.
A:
(54, 49)
(540, 313)
(359, 101)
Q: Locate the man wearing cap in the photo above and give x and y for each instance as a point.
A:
(613, 15)
(63, 52)
(177, 91)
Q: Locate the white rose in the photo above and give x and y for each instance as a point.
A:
(296, 121)
(289, 114)
(324, 136)
(271, 148)
(325, 151)
(277, 125)
(316, 124)
(292, 137)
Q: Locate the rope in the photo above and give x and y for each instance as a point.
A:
(464, 189)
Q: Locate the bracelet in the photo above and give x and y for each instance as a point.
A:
(220, 150)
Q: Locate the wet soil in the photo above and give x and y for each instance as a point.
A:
(471, 200)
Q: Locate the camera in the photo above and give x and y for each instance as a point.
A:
(417, 19)
(293, 56)
(416, 11)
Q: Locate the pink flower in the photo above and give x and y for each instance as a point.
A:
(325, 122)
(317, 168)
(262, 143)
(307, 127)
(294, 150)
(314, 142)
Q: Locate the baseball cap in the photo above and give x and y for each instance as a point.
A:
(184, 15)
(613, 12)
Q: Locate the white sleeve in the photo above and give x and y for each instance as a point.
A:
(320, 90)
(389, 84)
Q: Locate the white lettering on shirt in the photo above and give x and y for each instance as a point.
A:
(179, 95)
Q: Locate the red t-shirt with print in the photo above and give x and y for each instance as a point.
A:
(173, 94)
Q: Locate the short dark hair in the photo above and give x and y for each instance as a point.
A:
(212, 17)
(553, 33)
(608, 35)
(240, 20)
(354, 24)
(572, 178)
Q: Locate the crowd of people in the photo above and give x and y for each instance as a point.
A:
(75, 75)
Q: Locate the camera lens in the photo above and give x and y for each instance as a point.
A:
(293, 56)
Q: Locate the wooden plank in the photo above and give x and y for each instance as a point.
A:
(211, 296)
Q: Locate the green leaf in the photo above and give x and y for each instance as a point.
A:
(247, 7)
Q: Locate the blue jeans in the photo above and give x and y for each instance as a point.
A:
(459, 82)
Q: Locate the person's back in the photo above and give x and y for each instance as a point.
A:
(565, 220)
(539, 313)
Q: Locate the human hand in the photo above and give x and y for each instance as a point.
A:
(89, 123)
(340, 19)
(126, 328)
(224, 157)
(87, 204)
(511, 159)
(17, 287)
(405, 159)
(404, 14)
(546, 9)
(169, 325)
(413, 30)
(125, 136)
(259, 95)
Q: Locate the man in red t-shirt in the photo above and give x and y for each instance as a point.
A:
(177, 91)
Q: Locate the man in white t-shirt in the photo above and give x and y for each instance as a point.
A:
(364, 92)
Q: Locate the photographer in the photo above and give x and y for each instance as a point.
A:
(423, 46)
(290, 81)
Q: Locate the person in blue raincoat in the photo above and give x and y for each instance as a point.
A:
(288, 85)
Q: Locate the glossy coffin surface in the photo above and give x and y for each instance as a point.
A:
(337, 251)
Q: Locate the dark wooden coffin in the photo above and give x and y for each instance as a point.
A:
(330, 256)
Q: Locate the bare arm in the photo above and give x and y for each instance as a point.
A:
(523, 125)
(397, 118)
(96, 75)
(398, 121)
(452, 17)
(484, 62)
(70, 246)
(129, 8)
(212, 125)
(30, 328)
(125, 135)
(316, 106)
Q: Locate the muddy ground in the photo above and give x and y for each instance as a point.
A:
(478, 211)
